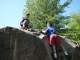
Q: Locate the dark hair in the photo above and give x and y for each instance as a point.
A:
(28, 14)
(51, 24)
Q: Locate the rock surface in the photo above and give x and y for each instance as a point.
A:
(18, 45)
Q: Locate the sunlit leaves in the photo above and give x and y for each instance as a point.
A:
(75, 22)
(43, 10)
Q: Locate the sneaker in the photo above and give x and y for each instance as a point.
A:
(65, 53)
(55, 55)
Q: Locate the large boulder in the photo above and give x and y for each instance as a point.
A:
(18, 45)
(72, 48)
(76, 53)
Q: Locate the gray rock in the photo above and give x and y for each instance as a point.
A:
(18, 45)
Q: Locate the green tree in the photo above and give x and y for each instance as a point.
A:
(75, 22)
(43, 10)
(74, 28)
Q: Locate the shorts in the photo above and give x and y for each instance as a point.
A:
(56, 40)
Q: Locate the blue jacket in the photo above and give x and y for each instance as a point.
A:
(51, 30)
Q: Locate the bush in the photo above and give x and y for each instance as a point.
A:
(73, 35)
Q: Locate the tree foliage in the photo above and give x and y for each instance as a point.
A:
(75, 22)
(43, 10)
(73, 31)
